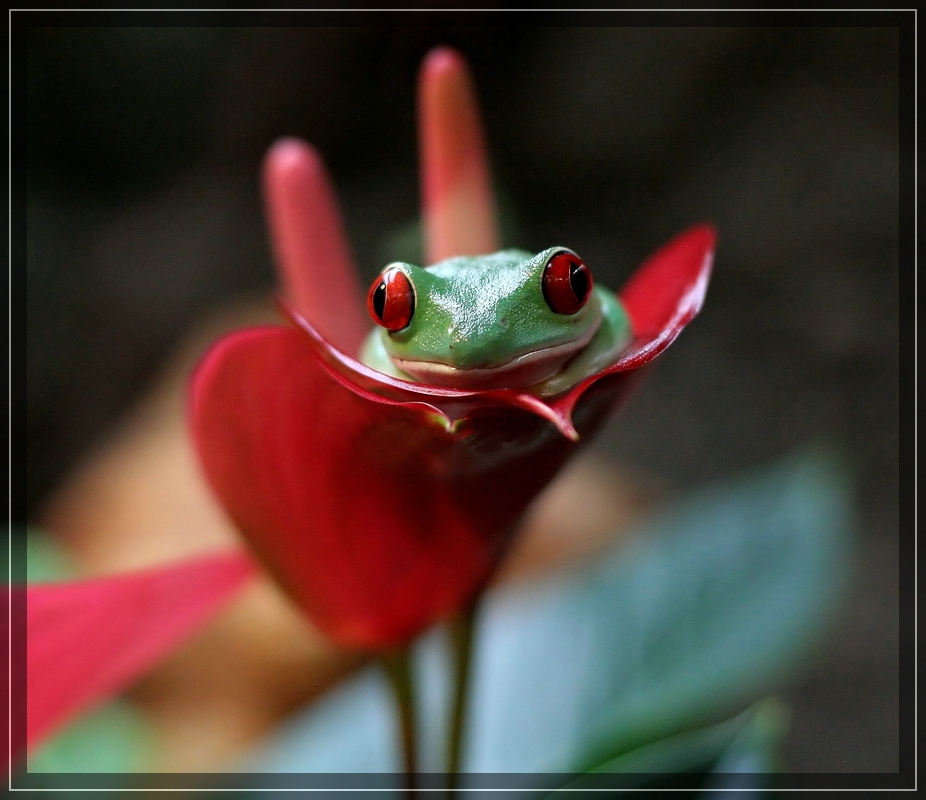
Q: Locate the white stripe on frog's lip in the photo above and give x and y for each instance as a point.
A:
(518, 373)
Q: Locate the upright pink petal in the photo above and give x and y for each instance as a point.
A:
(458, 208)
(87, 640)
(312, 253)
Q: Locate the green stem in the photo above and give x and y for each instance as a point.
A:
(399, 670)
(461, 639)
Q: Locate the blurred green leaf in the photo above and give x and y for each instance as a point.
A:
(46, 560)
(715, 746)
(729, 590)
(752, 754)
(406, 242)
(735, 754)
(114, 738)
(698, 614)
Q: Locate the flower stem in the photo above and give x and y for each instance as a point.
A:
(461, 639)
(398, 668)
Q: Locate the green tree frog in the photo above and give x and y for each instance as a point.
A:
(509, 320)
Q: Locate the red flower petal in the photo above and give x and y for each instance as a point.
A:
(383, 505)
(312, 253)
(89, 639)
(459, 214)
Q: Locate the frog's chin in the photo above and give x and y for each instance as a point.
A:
(517, 373)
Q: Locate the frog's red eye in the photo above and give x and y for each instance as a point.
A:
(391, 300)
(566, 283)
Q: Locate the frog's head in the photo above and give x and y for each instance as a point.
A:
(481, 322)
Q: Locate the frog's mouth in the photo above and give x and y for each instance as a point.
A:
(517, 373)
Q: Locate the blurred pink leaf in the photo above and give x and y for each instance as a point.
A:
(312, 253)
(89, 639)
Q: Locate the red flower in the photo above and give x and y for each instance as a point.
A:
(380, 504)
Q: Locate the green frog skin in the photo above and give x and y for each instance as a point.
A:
(509, 320)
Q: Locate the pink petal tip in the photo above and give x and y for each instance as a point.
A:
(457, 201)
(310, 246)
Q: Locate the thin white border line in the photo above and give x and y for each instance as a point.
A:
(608, 10)
(9, 406)
(461, 790)
(916, 481)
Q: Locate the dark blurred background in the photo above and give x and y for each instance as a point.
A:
(144, 214)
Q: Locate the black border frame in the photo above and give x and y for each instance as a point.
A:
(509, 785)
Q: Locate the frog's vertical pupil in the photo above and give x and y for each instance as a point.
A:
(378, 299)
(578, 279)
